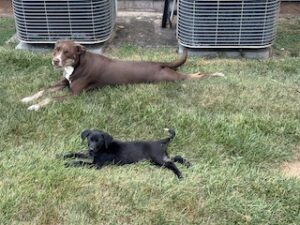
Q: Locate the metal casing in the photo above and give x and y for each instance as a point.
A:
(227, 23)
(85, 21)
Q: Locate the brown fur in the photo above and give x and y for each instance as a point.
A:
(95, 71)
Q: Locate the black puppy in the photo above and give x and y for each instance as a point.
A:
(104, 150)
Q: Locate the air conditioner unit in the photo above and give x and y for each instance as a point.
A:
(85, 21)
(227, 23)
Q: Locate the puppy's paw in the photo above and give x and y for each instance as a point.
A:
(68, 164)
(218, 74)
(35, 107)
(73, 164)
(188, 164)
(59, 156)
(180, 177)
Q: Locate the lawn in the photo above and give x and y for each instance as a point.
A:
(7, 29)
(237, 131)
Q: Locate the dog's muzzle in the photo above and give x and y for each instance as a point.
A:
(91, 152)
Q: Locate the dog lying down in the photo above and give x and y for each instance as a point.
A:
(104, 150)
(84, 71)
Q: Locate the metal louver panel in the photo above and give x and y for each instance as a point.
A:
(85, 21)
(227, 24)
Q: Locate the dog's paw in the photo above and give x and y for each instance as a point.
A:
(74, 164)
(218, 74)
(179, 177)
(59, 156)
(67, 164)
(26, 99)
(188, 164)
(35, 107)
(33, 97)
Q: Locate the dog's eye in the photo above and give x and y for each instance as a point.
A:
(66, 51)
(58, 49)
(94, 139)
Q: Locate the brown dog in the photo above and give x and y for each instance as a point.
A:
(84, 71)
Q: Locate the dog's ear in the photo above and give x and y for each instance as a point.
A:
(57, 42)
(80, 49)
(84, 134)
(107, 139)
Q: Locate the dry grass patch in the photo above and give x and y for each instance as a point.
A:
(292, 169)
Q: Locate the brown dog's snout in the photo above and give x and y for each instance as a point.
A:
(56, 61)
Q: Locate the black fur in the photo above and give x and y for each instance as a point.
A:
(104, 150)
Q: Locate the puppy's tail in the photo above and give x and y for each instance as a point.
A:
(171, 136)
(175, 64)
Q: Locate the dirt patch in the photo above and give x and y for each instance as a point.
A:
(292, 169)
(143, 30)
(290, 8)
(5, 8)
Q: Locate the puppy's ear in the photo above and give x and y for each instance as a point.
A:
(107, 139)
(80, 49)
(84, 134)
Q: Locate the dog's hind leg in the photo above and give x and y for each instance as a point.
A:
(199, 75)
(181, 160)
(169, 165)
(167, 74)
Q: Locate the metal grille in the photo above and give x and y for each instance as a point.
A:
(227, 24)
(80, 20)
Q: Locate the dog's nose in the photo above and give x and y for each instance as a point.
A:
(55, 62)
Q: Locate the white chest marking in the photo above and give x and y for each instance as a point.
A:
(68, 70)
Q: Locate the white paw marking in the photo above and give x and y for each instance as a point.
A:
(45, 102)
(33, 97)
(35, 107)
(26, 99)
(218, 74)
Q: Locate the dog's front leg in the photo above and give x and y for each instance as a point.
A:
(56, 87)
(60, 85)
(82, 155)
(46, 101)
(169, 165)
(173, 167)
(76, 88)
(80, 164)
(33, 97)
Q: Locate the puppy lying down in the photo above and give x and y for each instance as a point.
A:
(104, 150)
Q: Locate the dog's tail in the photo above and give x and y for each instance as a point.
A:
(171, 136)
(175, 64)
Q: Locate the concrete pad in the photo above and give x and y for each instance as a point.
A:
(263, 53)
(98, 49)
(228, 53)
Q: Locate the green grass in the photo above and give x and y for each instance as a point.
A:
(288, 38)
(236, 131)
(7, 29)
